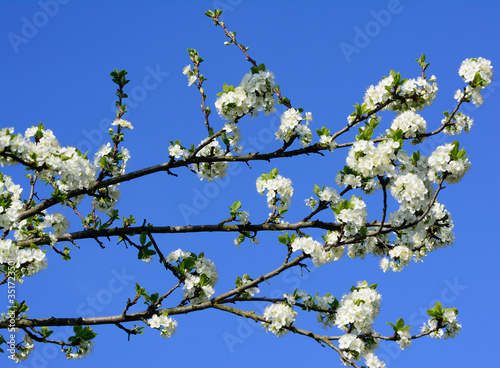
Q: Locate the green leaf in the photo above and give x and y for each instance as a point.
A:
(415, 157)
(366, 132)
(225, 140)
(140, 290)
(256, 69)
(204, 280)
(400, 324)
(143, 238)
(87, 334)
(227, 88)
(438, 307)
(153, 298)
(238, 282)
(317, 189)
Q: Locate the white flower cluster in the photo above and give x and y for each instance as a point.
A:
(352, 180)
(278, 189)
(460, 122)
(211, 170)
(233, 136)
(470, 67)
(433, 232)
(165, 324)
(176, 151)
(379, 94)
(74, 170)
(107, 199)
(233, 104)
(255, 93)
(24, 350)
(291, 124)
(411, 191)
(372, 361)
(356, 349)
(358, 309)
(368, 246)
(80, 351)
(10, 201)
(441, 162)
(325, 303)
(259, 88)
(401, 256)
(449, 319)
(190, 74)
(122, 124)
(331, 239)
(404, 339)
(411, 182)
(58, 222)
(410, 123)
(103, 159)
(468, 71)
(300, 295)
(326, 194)
(28, 261)
(354, 217)
(200, 279)
(314, 249)
(114, 166)
(250, 292)
(279, 315)
(328, 141)
(369, 160)
(417, 93)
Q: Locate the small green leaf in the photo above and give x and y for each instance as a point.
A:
(236, 205)
(400, 324)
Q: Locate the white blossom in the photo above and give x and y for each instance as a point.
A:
(279, 316)
(122, 123)
(165, 324)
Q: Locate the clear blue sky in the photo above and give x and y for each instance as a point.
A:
(55, 70)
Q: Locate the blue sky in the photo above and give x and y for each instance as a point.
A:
(56, 60)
